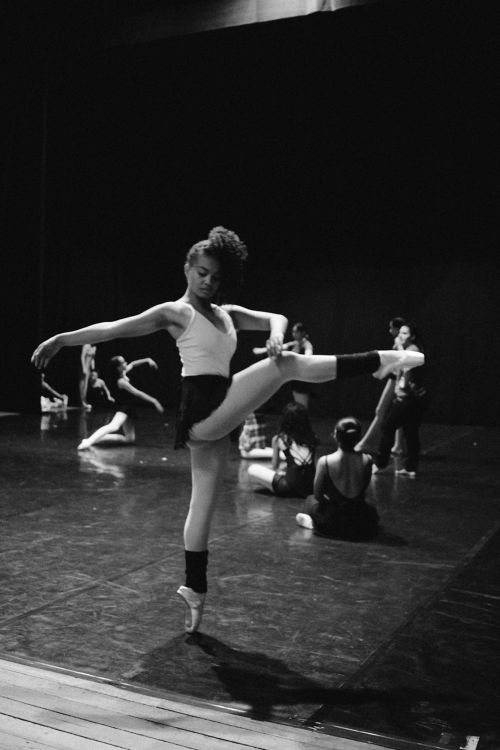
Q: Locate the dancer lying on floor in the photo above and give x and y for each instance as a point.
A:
(212, 403)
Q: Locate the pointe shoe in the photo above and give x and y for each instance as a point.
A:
(395, 359)
(84, 445)
(305, 520)
(194, 603)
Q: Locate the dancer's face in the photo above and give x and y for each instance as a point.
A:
(203, 276)
(405, 336)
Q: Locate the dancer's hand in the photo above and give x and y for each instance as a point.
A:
(44, 352)
(158, 406)
(152, 363)
(274, 346)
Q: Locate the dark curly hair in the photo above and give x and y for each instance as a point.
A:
(295, 425)
(226, 247)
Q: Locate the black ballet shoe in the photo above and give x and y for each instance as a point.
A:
(194, 603)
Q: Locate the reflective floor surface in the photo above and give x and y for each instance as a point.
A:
(397, 638)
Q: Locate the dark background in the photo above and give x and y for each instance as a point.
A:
(356, 152)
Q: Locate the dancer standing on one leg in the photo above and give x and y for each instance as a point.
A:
(126, 399)
(212, 403)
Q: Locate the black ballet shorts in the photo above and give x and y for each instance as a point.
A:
(200, 395)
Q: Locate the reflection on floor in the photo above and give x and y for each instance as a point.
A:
(396, 638)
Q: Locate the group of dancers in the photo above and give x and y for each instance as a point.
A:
(212, 402)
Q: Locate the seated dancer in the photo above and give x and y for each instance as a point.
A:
(338, 507)
(50, 399)
(126, 399)
(213, 404)
(297, 441)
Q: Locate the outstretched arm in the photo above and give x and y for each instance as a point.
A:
(149, 321)
(137, 362)
(255, 320)
(140, 394)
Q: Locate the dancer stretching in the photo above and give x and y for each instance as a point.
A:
(212, 403)
(126, 398)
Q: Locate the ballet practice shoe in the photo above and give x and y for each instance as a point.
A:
(405, 473)
(305, 520)
(393, 360)
(84, 445)
(194, 603)
(381, 470)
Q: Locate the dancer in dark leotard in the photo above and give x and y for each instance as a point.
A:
(296, 441)
(338, 507)
(121, 430)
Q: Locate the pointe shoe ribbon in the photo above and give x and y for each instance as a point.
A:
(194, 603)
(392, 360)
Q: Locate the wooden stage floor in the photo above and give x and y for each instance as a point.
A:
(394, 643)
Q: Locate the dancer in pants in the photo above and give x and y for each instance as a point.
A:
(213, 404)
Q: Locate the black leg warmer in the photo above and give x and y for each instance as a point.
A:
(196, 570)
(349, 365)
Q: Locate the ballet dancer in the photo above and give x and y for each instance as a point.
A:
(87, 364)
(126, 399)
(297, 441)
(338, 507)
(212, 403)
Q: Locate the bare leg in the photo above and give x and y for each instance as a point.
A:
(208, 462)
(256, 384)
(262, 474)
(370, 440)
(108, 432)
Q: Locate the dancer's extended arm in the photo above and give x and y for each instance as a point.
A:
(122, 383)
(145, 361)
(165, 315)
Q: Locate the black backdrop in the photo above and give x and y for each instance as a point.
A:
(355, 152)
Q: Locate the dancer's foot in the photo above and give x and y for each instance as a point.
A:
(405, 473)
(391, 360)
(194, 603)
(382, 469)
(84, 445)
(305, 520)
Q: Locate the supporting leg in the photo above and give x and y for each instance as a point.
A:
(208, 462)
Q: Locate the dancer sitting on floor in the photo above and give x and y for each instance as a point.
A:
(338, 507)
(50, 399)
(297, 441)
(126, 398)
(213, 404)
